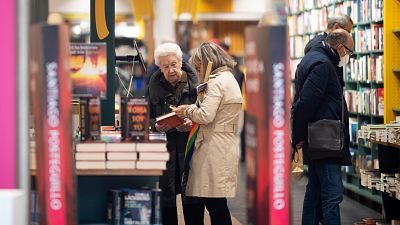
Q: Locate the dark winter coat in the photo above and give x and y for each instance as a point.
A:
(318, 96)
(316, 41)
(161, 95)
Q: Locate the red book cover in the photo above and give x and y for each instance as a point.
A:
(170, 119)
(52, 108)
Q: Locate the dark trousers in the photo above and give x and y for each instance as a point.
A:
(324, 191)
(217, 208)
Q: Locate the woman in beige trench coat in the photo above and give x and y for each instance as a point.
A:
(214, 164)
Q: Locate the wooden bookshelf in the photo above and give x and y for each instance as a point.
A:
(391, 58)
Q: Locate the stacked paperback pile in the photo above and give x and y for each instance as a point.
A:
(389, 133)
(140, 155)
(385, 182)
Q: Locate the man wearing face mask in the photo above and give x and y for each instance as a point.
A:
(334, 22)
(319, 96)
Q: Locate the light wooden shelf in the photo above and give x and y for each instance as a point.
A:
(125, 172)
(384, 143)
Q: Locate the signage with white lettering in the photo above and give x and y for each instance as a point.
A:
(52, 113)
(267, 125)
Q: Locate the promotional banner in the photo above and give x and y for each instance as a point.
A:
(267, 125)
(8, 151)
(51, 106)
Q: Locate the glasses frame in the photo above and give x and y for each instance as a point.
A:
(348, 49)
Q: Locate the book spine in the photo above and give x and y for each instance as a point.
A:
(124, 119)
(95, 118)
(83, 119)
(156, 218)
(114, 207)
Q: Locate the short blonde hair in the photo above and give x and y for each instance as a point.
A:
(167, 49)
(209, 51)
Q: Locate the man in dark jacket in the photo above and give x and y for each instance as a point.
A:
(172, 85)
(334, 22)
(319, 96)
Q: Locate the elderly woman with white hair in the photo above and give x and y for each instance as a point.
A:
(173, 84)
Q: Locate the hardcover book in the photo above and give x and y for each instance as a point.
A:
(135, 118)
(170, 119)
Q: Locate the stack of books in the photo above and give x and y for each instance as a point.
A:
(122, 155)
(90, 155)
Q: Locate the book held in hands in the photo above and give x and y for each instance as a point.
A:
(170, 119)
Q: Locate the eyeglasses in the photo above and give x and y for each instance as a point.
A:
(348, 49)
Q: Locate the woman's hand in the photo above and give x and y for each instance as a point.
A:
(185, 127)
(180, 110)
(162, 128)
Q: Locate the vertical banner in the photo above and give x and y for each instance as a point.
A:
(8, 96)
(102, 29)
(51, 102)
(267, 126)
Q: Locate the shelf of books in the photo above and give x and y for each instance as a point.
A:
(364, 77)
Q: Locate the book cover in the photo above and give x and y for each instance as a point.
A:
(88, 69)
(136, 207)
(135, 118)
(170, 119)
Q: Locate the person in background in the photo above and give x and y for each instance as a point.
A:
(319, 96)
(334, 22)
(153, 67)
(213, 168)
(174, 83)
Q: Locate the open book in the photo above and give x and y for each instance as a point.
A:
(171, 119)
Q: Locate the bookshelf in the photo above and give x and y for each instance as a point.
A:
(365, 83)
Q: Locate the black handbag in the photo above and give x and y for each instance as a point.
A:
(326, 138)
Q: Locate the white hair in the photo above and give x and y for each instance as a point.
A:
(167, 49)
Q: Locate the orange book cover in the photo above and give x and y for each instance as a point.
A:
(171, 119)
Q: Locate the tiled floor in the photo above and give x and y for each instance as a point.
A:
(351, 211)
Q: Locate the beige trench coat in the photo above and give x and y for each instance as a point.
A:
(214, 164)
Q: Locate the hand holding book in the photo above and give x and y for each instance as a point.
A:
(180, 110)
(185, 127)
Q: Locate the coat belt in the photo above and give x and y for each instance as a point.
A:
(223, 128)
